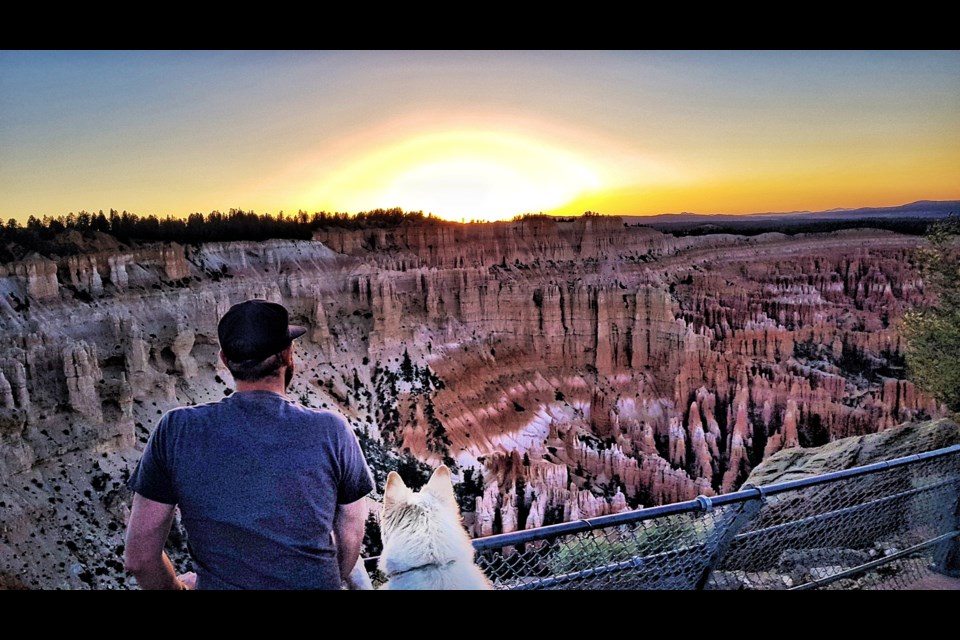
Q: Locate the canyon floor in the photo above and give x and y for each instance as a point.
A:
(566, 368)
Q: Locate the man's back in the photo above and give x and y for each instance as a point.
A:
(258, 479)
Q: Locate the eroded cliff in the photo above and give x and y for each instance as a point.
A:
(581, 367)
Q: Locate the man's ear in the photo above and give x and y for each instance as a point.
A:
(223, 359)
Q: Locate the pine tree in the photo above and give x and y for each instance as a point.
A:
(406, 367)
(933, 334)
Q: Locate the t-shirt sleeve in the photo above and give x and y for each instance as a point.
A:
(356, 480)
(151, 477)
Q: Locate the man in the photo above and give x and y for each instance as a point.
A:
(271, 493)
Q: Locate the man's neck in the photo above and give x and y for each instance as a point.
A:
(273, 384)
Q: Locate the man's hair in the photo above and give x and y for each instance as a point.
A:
(256, 370)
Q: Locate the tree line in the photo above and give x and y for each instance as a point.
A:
(46, 235)
(910, 225)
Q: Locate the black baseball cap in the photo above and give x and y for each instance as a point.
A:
(256, 330)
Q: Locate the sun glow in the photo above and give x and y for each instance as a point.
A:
(460, 175)
(476, 134)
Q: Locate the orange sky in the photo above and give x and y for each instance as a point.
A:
(476, 135)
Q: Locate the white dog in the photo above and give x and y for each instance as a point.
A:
(424, 543)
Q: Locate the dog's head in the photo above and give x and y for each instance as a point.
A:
(423, 526)
(435, 501)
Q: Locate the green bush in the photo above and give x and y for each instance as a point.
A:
(593, 549)
(932, 334)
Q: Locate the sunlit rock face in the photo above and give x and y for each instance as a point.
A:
(580, 367)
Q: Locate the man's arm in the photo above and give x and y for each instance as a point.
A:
(348, 526)
(143, 554)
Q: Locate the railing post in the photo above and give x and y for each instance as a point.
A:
(748, 509)
(947, 559)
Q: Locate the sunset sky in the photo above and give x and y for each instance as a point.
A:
(476, 135)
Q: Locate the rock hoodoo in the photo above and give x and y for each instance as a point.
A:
(580, 367)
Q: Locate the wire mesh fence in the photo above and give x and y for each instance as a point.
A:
(881, 526)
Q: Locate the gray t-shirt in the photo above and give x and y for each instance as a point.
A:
(257, 479)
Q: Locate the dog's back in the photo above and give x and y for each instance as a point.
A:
(424, 543)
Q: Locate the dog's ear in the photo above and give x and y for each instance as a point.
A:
(441, 485)
(395, 490)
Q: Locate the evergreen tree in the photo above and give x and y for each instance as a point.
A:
(406, 367)
(933, 334)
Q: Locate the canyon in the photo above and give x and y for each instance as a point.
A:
(578, 367)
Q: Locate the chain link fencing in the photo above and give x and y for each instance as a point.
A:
(882, 526)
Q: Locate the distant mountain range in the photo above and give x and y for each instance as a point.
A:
(921, 208)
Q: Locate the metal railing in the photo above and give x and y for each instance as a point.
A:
(881, 526)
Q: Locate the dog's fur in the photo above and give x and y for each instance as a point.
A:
(424, 543)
